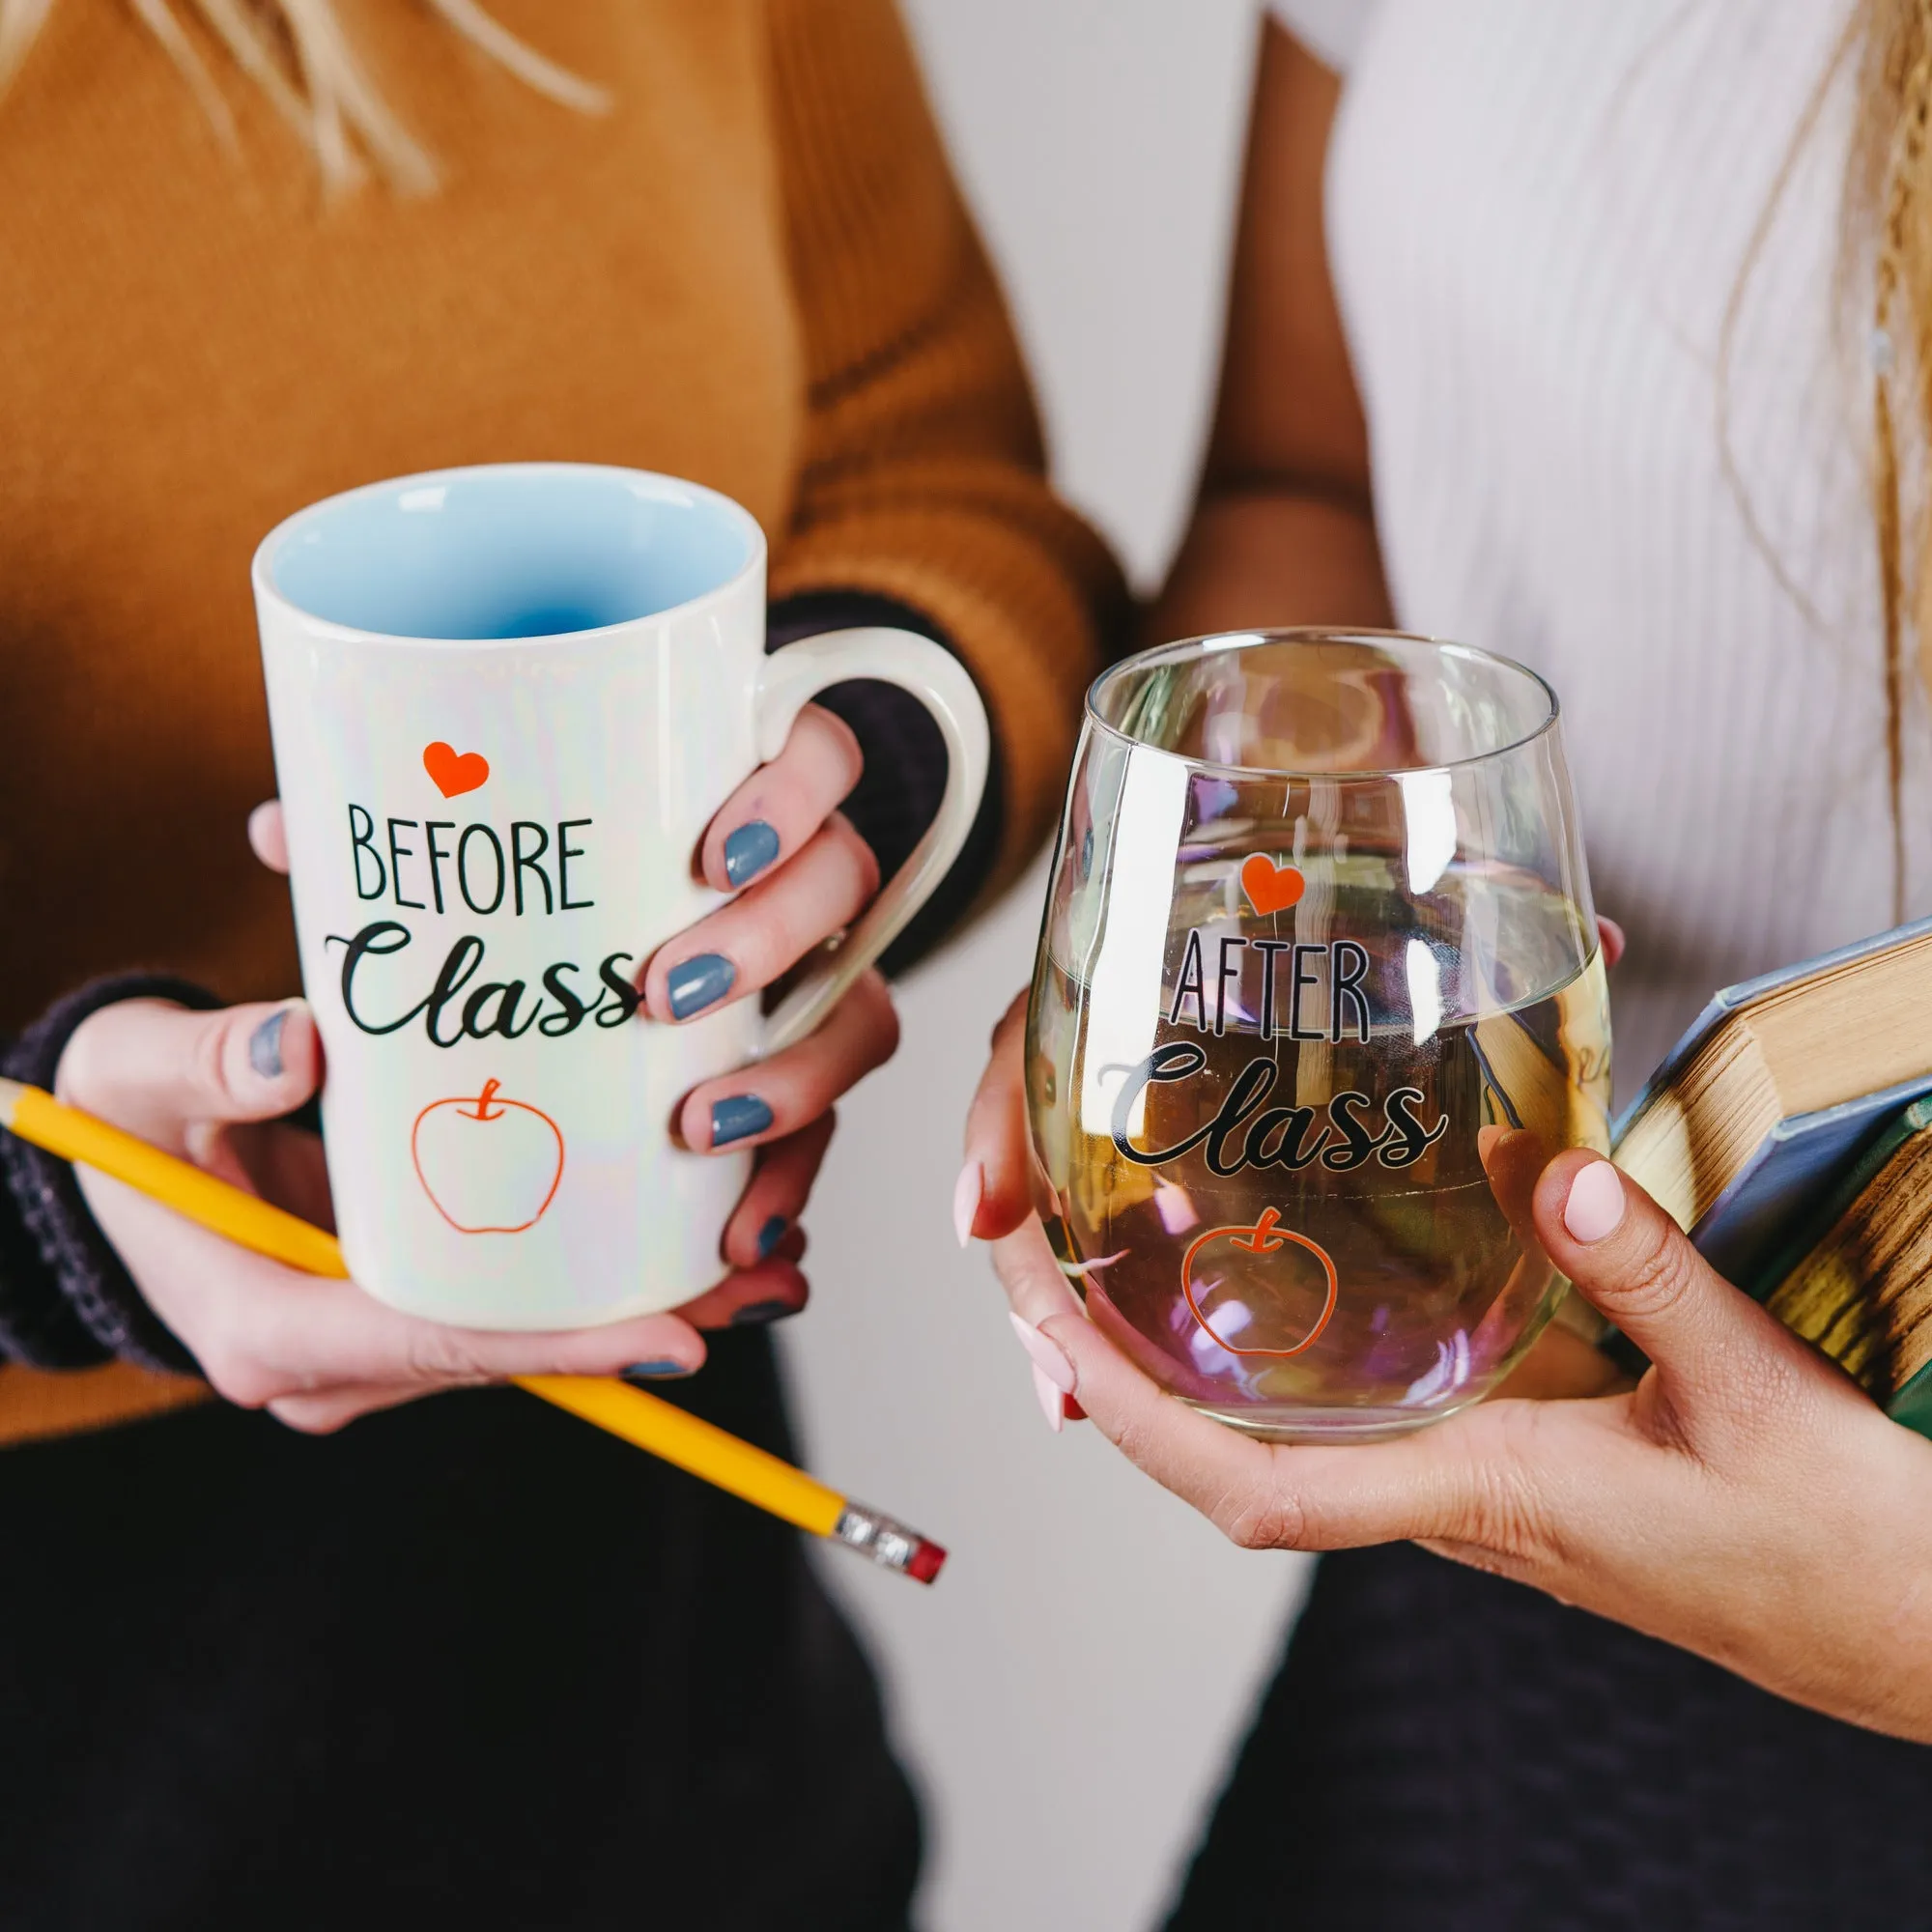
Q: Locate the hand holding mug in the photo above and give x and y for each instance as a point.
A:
(799, 875)
(795, 873)
(575, 1140)
(527, 737)
(317, 1353)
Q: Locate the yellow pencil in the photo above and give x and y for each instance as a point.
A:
(706, 1451)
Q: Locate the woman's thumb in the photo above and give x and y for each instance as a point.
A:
(1631, 1261)
(155, 1069)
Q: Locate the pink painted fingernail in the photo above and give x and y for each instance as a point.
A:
(1596, 1203)
(967, 1191)
(1049, 1359)
(1051, 1401)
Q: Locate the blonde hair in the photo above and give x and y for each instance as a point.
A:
(298, 53)
(1885, 282)
(1889, 248)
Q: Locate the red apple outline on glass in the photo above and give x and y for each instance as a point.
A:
(453, 1117)
(1264, 1238)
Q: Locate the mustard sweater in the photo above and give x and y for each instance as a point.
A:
(755, 271)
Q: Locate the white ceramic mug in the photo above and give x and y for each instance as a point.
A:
(506, 701)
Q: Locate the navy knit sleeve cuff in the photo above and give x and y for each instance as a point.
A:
(905, 777)
(67, 1301)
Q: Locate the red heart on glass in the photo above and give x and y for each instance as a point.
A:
(457, 770)
(1270, 887)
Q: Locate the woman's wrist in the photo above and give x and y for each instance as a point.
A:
(1864, 1572)
(67, 1300)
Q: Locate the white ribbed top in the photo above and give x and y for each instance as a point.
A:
(1537, 214)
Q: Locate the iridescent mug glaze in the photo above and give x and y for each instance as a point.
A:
(506, 702)
(1318, 993)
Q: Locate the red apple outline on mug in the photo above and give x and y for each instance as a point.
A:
(1264, 1238)
(486, 1108)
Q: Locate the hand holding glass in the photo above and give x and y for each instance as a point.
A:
(1318, 993)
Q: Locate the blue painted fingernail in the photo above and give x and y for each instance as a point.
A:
(771, 1235)
(737, 1115)
(697, 983)
(265, 1045)
(659, 1371)
(754, 1313)
(748, 851)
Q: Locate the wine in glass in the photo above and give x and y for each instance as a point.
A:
(1318, 993)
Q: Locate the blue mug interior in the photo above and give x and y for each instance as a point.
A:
(521, 551)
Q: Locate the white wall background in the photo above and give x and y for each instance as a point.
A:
(1070, 1691)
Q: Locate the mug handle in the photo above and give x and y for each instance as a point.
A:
(787, 680)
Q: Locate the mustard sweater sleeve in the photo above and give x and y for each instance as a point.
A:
(923, 476)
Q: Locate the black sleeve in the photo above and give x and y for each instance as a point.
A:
(898, 795)
(66, 1299)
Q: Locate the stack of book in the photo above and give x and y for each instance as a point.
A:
(1790, 1134)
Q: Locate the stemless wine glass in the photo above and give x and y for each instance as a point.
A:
(1318, 993)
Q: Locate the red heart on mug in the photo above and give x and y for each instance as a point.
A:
(1270, 887)
(457, 770)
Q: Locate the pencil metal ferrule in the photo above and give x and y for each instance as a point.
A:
(889, 1544)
